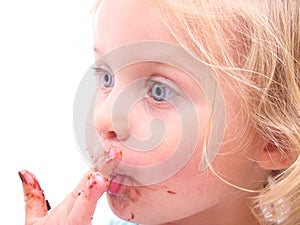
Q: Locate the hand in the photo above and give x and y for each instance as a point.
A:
(77, 208)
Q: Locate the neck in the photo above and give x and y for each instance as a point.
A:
(232, 211)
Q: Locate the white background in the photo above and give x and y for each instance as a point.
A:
(45, 48)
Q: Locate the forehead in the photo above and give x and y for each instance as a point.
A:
(122, 22)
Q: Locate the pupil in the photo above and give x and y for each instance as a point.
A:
(158, 91)
(106, 78)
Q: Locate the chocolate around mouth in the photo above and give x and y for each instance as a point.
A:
(123, 188)
(107, 165)
(123, 179)
(107, 162)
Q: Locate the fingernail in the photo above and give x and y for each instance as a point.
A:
(21, 176)
(28, 178)
(115, 153)
(94, 182)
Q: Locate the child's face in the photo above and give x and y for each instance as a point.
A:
(190, 192)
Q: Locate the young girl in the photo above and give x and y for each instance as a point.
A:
(229, 104)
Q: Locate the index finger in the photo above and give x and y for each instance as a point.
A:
(35, 203)
(86, 203)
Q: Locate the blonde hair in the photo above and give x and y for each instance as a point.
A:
(257, 43)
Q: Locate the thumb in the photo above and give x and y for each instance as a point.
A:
(35, 204)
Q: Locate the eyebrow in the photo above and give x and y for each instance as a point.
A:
(100, 51)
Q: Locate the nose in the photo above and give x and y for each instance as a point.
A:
(110, 123)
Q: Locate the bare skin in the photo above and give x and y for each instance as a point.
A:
(76, 209)
(190, 196)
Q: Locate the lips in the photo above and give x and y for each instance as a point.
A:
(107, 160)
(115, 185)
(119, 184)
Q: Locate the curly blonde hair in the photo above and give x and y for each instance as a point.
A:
(257, 43)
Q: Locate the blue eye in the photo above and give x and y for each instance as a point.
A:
(106, 79)
(160, 92)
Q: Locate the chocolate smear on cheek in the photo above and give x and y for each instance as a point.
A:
(129, 195)
(131, 217)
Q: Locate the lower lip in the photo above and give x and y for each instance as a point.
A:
(115, 185)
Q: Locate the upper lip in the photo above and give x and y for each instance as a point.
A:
(102, 158)
(125, 179)
(110, 168)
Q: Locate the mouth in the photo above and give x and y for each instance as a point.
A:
(107, 161)
(107, 164)
(118, 183)
(115, 185)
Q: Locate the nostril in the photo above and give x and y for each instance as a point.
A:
(110, 135)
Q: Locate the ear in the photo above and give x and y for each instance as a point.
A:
(272, 158)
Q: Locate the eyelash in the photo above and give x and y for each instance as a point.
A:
(98, 73)
(150, 83)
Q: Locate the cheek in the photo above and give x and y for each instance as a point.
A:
(190, 189)
(176, 137)
(188, 192)
(144, 125)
